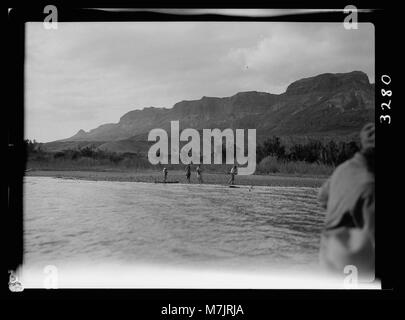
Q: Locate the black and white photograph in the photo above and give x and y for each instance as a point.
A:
(199, 155)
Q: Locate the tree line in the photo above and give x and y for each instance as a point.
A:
(314, 151)
(34, 150)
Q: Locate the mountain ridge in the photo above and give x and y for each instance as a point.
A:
(328, 104)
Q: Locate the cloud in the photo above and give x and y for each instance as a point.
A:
(85, 74)
(307, 51)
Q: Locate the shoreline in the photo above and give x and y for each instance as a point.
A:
(149, 176)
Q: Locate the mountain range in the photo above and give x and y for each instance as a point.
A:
(333, 105)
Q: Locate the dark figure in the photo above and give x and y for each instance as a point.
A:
(188, 173)
(199, 174)
(165, 175)
(349, 199)
(234, 172)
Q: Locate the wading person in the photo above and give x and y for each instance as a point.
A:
(234, 172)
(165, 175)
(199, 174)
(188, 173)
(349, 199)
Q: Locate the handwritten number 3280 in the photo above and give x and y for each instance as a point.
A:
(386, 105)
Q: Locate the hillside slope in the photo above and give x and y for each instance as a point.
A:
(324, 105)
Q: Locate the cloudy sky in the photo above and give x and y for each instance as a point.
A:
(86, 74)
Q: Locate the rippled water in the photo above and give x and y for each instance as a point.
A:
(176, 224)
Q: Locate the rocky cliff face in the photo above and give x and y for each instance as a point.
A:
(329, 82)
(327, 104)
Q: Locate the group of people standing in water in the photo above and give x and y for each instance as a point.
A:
(198, 170)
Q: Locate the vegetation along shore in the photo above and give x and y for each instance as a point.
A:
(278, 164)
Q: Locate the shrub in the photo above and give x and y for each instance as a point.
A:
(271, 164)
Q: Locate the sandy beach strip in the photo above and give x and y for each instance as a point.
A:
(208, 177)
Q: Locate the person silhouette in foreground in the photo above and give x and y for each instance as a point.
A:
(349, 199)
(188, 173)
(234, 172)
(199, 174)
(165, 175)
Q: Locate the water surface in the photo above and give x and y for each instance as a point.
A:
(69, 221)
